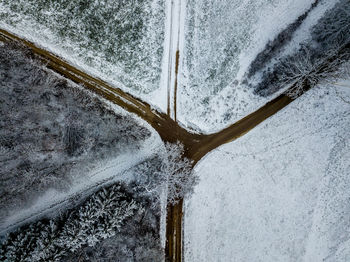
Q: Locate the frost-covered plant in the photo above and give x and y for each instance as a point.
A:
(322, 61)
(171, 169)
(98, 218)
(47, 248)
(323, 58)
(304, 71)
(298, 71)
(334, 27)
(178, 172)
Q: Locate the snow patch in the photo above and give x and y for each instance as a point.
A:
(279, 193)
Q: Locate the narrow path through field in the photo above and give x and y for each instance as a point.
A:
(175, 15)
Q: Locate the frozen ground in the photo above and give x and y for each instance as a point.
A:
(222, 38)
(279, 193)
(129, 43)
(119, 41)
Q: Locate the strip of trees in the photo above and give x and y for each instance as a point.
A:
(98, 218)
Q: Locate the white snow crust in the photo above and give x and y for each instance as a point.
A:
(222, 38)
(279, 193)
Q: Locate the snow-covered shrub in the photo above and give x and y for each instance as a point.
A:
(148, 182)
(334, 28)
(321, 62)
(100, 217)
(177, 171)
(304, 71)
(169, 169)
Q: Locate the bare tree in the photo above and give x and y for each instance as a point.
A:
(326, 59)
(178, 173)
(323, 58)
(304, 71)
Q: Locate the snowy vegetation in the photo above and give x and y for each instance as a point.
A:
(178, 173)
(325, 57)
(275, 47)
(279, 193)
(123, 39)
(170, 169)
(138, 238)
(51, 131)
(221, 39)
(97, 219)
(117, 223)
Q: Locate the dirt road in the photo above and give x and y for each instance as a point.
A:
(196, 145)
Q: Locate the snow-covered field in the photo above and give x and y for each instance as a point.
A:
(127, 44)
(120, 41)
(279, 193)
(222, 38)
(132, 45)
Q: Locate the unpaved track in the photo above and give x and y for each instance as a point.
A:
(198, 149)
(174, 28)
(196, 145)
(175, 85)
